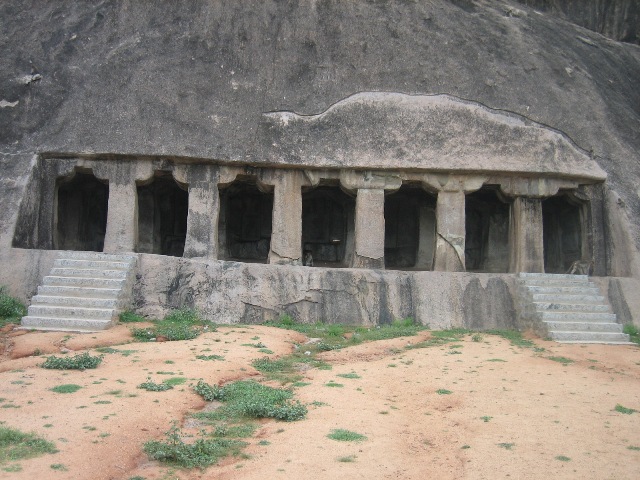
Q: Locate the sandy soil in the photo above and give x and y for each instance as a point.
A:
(510, 414)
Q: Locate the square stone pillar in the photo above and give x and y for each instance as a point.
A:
(450, 231)
(122, 218)
(369, 249)
(286, 230)
(202, 221)
(526, 239)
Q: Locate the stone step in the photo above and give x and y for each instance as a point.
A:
(91, 264)
(84, 292)
(86, 302)
(71, 312)
(571, 307)
(584, 327)
(130, 258)
(591, 290)
(557, 276)
(566, 298)
(577, 317)
(554, 281)
(88, 273)
(65, 324)
(589, 337)
(63, 281)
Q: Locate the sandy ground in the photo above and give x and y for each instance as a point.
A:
(512, 412)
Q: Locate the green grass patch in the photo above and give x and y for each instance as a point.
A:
(130, 317)
(124, 353)
(249, 399)
(342, 435)
(16, 445)
(634, 448)
(66, 388)
(348, 459)
(59, 467)
(633, 332)
(210, 357)
(82, 361)
(563, 360)
(627, 411)
(175, 381)
(507, 446)
(184, 324)
(348, 375)
(333, 384)
(443, 391)
(514, 337)
(562, 458)
(243, 430)
(496, 360)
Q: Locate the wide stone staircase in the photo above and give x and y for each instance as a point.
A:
(84, 292)
(567, 309)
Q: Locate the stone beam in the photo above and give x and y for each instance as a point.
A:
(353, 180)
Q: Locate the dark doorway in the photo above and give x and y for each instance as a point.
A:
(562, 230)
(162, 216)
(81, 216)
(245, 222)
(327, 221)
(487, 232)
(409, 234)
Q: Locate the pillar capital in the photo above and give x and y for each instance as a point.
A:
(353, 180)
(444, 182)
(534, 187)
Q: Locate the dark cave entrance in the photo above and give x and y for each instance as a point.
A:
(327, 227)
(410, 229)
(163, 206)
(487, 232)
(81, 213)
(245, 222)
(562, 219)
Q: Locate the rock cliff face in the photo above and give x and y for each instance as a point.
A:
(196, 78)
(616, 19)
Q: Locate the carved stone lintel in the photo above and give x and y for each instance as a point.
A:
(535, 187)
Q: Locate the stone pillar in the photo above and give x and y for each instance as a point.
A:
(526, 240)
(286, 231)
(202, 220)
(369, 249)
(426, 238)
(122, 218)
(450, 231)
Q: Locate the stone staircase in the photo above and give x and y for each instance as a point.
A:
(84, 292)
(567, 309)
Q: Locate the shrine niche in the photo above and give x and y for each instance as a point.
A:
(410, 221)
(563, 233)
(80, 220)
(327, 227)
(245, 222)
(162, 216)
(487, 232)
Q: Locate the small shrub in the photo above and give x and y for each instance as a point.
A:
(208, 392)
(59, 466)
(342, 435)
(66, 388)
(16, 445)
(11, 309)
(151, 386)
(201, 453)
(77, 362)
